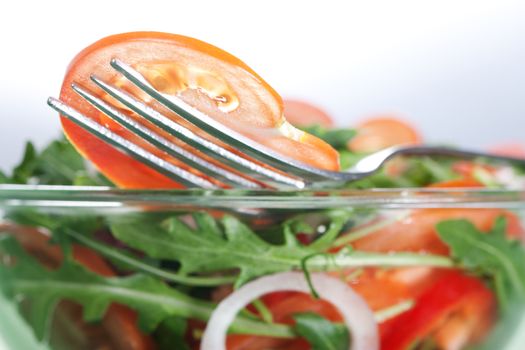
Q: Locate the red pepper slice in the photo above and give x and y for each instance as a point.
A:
(455, 311)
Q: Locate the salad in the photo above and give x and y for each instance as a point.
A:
(330, 278)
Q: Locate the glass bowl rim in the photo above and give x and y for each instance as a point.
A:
(100, 197)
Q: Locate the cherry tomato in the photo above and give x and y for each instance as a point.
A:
(202, 75)
(512, 149)
(300, 113)
(378, 133)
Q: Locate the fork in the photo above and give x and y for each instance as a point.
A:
(257, 168)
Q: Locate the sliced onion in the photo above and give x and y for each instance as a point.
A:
(356, 314)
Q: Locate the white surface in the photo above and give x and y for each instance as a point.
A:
(455, 68)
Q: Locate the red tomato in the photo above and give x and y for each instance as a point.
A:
(205, 77)
(458, 183)
(513, 149)
(300, 113)
(417, 233)
(378, 133)
(468, 169)
(380, 288)
(455, 311)
(283, 306)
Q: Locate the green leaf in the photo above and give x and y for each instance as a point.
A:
(14, 331)
(208, 247)
(490, 254)
(234, 246)
(337, 138)
(321, 333)
(25, 170)
(153, 300)
(3, 178)
(170, 334)
(130, 262)
(58, 164)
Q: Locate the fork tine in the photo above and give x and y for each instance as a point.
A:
(191, 159)
(174, 172)
(274, 178)
(223, 133)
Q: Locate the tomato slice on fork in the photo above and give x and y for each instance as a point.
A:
(205, 77)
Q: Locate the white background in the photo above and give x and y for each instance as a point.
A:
(454, 68)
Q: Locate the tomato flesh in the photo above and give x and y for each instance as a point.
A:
(200, 74)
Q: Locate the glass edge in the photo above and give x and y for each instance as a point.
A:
(74, 196)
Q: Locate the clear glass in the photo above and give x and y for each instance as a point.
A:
(259, 208)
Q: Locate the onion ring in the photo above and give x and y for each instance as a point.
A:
(357, 316)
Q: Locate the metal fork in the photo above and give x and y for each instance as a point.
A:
(258, 166)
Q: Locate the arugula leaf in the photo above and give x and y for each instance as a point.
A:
(3, 178)
(154, 301)
(490, 254)
(208, 247)
(14, 331)
(321, 333)
(58, 164)
(418, 172)
(128, 261)
(170, 334)
(336, 137)
(327, 223)
(24, 171)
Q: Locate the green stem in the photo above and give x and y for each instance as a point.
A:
(338, 220)
(328, 262)
(394, 310)
(264, 312)
(112, 253)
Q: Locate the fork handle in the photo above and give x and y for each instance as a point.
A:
(374, 161)
(455, 152)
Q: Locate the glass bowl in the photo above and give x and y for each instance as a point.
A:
(369, 211)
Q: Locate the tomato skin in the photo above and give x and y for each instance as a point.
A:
(454, 293)
(257, 110)
(377, 133)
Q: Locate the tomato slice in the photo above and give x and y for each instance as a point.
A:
(202, 75)
(455, 311)
(301, 113)
(378, 133)
(417, 232)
